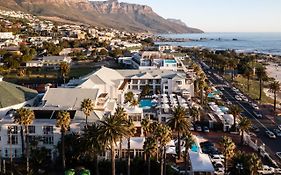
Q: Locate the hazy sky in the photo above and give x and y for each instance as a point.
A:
(221, 15)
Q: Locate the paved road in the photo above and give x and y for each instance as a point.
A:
(274, 145)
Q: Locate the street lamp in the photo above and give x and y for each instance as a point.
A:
(239, 167)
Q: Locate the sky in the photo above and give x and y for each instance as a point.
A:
(221, 15)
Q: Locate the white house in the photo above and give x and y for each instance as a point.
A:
(6, 35)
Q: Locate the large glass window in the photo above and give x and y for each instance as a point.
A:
(48, 129)
(31, 129)
(49, 140)
(13, 139)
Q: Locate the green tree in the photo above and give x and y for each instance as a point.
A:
(149, 149)
(110, 131)
(255, 164)
(248, 73)
(63, 122)
(194, 113)
(64, 70)
(87, 106)
(129, 96)
(25, 117)
(235, 111)
(145, 91)
(274, 87)
(244, 126)
(228, 147)
(145, 124)
(261, 75)
(92, 143)
(188, 142)
(134, 102)
(179, 124)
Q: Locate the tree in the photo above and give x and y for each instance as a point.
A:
(131, 131)
(194, 113)
(179, 124)
(235, 111)
(25, 117)
(228, 147)
(248, 73)
(201, 86)
(255, 163)
(134, 103)
(232, 64)
(111, 128)
(145, 124)
(163, 134)
(129, 96)
(145, 91)
(64, 70)
(92, 143)
(87, 106)
(149, 148)
(244, 126)
(63, 122)
(275, 88)
(188, 142)
(261, 75)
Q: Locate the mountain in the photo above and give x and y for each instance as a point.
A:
(111, 13)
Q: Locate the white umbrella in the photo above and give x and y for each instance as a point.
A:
(165, 101)
(164, 95)
(154, 96)
(154, 101)
(165, 106)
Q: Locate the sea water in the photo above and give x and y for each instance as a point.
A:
(268, 43)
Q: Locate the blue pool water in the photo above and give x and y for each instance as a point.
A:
(194, 148)
(170, 61)
(146, 103)
(211, 95)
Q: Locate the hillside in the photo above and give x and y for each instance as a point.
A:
(122, 16)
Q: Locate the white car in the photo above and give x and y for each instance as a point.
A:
(278, 154)
(270, 134)
(245, 99)
(255, 106)
(266, 170)
(217, 158)
(237, 97)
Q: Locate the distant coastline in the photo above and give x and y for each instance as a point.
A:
(259, 43)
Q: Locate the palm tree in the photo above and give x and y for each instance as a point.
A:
(275, 88)
(149, 148)
(110, 131)
(63, 122)
(195, 113)
(163, 134)
(129, 96)
(131, 131)
(248, 73)
(92, 143)
(244, 126)
(25, 117)
(134, 103)
(232, 64)
(87, 106)
(261, 75)
(235, 111)
(201, 86)
(188, 142)
(64, 70)
(228, 147)
(145, 124)
(180, 124)
(255, 164)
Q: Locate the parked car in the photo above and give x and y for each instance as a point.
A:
(206, 129)
(219, 166)
(266, 170)
(237, 97)
(270, 134)
(257, 114)
(191, 128)
(278, 154)
(277, 132)
(255, 106)
(217, 158)
(198, 128)
(279, 127)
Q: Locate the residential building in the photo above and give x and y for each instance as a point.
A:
(6, 35)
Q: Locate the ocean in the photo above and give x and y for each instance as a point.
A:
(268, 43)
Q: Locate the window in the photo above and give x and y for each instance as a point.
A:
(48, 129)
(179, 82)
(12, 129)
(49, 140)
(166, 87)
(6, 152)
(13, 139)
(135, 81)
(31, 129)
(142, 81)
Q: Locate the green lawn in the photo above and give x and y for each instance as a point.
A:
(241, 83)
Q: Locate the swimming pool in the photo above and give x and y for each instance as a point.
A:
(170, 61)
(146, 103)
(194, 148)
